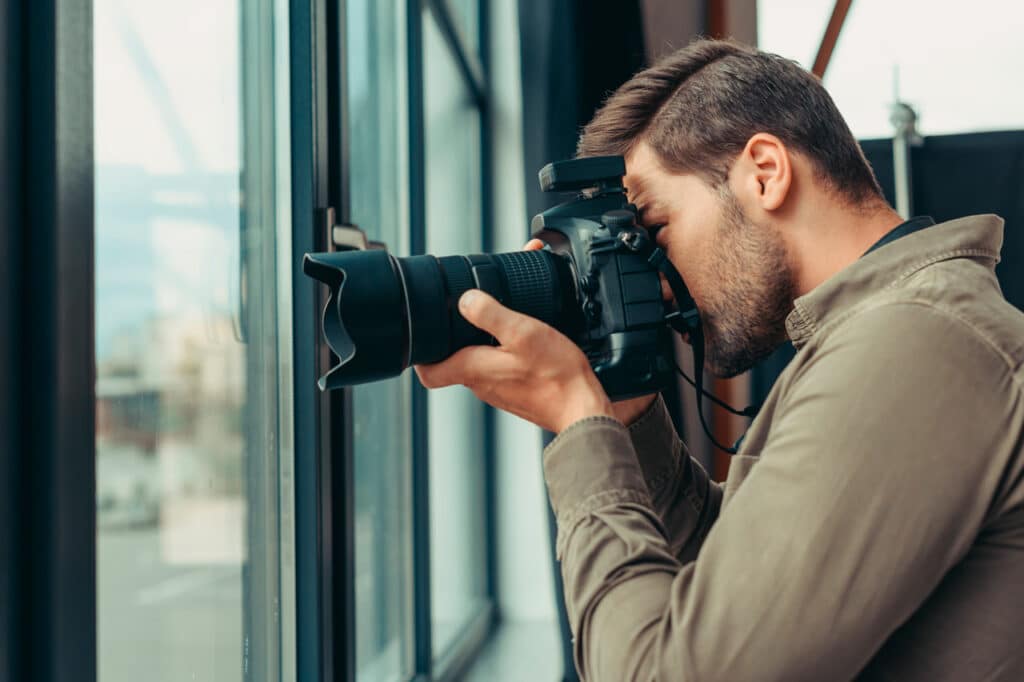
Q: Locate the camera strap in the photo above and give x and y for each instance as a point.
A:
(686, 320)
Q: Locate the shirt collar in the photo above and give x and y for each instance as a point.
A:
(979, 237)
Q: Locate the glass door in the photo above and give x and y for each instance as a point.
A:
(193, 370)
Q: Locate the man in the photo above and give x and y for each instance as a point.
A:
(872, 524)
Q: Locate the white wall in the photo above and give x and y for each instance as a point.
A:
(525, 582)
(958, 63)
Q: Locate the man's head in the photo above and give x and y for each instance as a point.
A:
(730, 152)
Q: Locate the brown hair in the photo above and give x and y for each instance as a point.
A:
(698, 107)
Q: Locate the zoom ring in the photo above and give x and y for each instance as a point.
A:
(531, 283)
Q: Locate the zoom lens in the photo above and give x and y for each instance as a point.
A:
(386, 313)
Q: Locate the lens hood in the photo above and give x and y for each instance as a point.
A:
(365, 320)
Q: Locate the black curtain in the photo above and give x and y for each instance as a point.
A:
(953, 176)
(573, 55)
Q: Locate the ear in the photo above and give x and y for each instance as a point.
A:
(766, 171)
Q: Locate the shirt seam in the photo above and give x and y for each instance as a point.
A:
(585, 421)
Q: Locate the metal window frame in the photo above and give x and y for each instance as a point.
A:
(49, 585)
(324, 542)
(10, 346)
(422, 632)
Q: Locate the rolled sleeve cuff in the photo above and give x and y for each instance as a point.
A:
(658, 448)
(589, 465)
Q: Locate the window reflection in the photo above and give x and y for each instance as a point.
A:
(381, 413)
(187, 392)
(456, 417)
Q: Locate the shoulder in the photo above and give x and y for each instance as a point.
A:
(916, 331)
(893, 353)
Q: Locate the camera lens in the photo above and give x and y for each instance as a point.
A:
(386, 313)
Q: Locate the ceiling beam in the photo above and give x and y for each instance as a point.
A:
(831, 37)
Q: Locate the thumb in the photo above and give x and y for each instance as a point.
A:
(484, 312)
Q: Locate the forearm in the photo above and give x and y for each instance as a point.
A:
(618, 567)
(683, 496)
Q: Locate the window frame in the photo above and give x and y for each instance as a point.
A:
(49, 587)
(324, 516)
(48, 613)
(324, 149)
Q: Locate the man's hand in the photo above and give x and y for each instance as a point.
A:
(626, 411)
(536, 372)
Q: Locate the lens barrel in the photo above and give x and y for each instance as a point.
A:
(385, 313)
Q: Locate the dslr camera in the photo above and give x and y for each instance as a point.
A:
(596, 280)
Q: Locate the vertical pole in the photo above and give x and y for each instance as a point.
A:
(904, 121)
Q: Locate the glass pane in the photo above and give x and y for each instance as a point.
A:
(944, 60)
(466, 14)
(191, 224)
(381, 412)
(457, 551)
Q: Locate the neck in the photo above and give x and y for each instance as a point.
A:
(832, 236)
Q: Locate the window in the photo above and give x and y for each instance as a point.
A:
(457, 453)
(421, 508)
(193, 394)
(246, 526)
(381, 412)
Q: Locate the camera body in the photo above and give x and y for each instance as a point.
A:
(622, 328)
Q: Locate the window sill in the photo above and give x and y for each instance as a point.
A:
(523, 650)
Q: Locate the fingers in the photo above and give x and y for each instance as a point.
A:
(470, 366)
(533, 245)
(484, 312)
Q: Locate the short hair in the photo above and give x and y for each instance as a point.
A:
(698, 106)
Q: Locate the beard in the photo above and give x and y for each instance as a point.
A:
(750, 292)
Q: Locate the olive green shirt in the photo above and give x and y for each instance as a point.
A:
(872, 524)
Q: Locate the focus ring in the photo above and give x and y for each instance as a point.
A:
(531, 283)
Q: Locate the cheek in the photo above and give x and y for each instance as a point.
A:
(690, 254)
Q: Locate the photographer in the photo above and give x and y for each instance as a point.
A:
(873, 521)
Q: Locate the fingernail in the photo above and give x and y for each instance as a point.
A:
(467, 299)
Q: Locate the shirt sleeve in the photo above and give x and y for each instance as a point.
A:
(683, 496)
(876, 476)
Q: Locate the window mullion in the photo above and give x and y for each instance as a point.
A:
(470, 67)
(422, 659)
